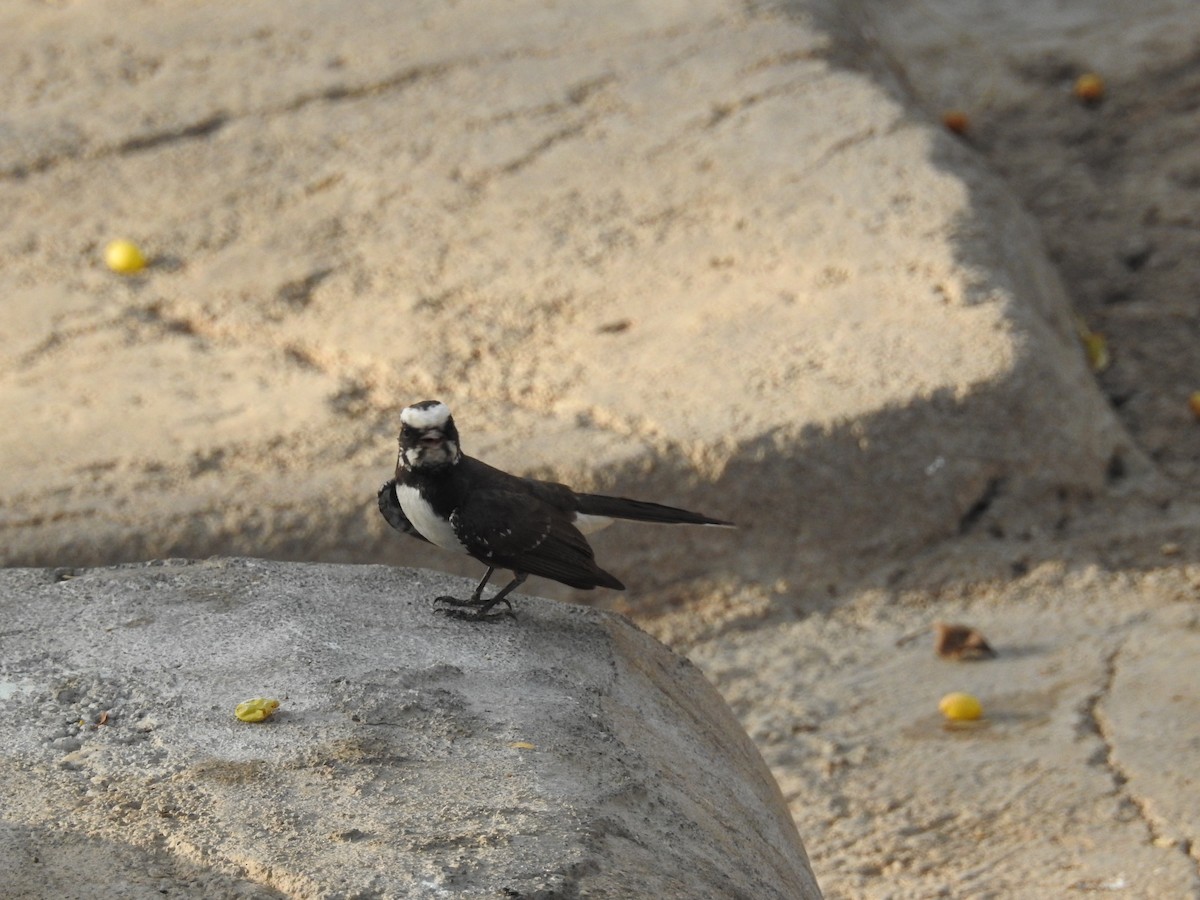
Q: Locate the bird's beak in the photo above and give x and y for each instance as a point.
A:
(431, 438)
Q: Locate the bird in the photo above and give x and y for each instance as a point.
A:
(532, 527)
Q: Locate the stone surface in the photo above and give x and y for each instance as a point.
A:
(566, 754)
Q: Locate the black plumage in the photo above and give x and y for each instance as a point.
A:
(503, 520)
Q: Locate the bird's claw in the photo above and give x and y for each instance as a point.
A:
(474, 609)
(477, 616)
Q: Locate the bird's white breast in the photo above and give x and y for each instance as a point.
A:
(433, 527)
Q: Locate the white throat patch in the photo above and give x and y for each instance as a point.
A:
(425, 417)
(416, 457)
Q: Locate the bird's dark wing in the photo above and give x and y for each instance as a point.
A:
(517, 531)
(390, 507)
(551, 493)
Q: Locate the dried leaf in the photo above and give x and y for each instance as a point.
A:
(960, 642)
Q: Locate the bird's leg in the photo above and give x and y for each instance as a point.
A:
(478, 594)
(501, 596)
(484, 607)
(476, 597)
(476, 600)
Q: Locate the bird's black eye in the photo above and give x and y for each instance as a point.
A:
(409, 434)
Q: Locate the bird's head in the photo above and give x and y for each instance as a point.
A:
(428, 438)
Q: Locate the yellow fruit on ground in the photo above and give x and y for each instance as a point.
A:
(1089, 87)
(256, 710)
(124, 257)
(960, 707)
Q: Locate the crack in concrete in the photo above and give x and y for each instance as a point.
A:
(541, 147)
(155, 315)
(1092, 721)
(398, 81)
(196, 130)
(217, 120)
(723, 110)
(1095, 722)
(576, 95)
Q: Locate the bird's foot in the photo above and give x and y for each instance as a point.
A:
(466, 615)
(474, 609)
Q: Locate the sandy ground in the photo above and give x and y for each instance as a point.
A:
(1113, 184)
(725, 256)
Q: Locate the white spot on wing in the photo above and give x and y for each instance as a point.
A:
(432, 527)
(541, 538)
(425, 417)
(590, 524)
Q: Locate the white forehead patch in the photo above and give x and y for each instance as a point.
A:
(425, 416)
